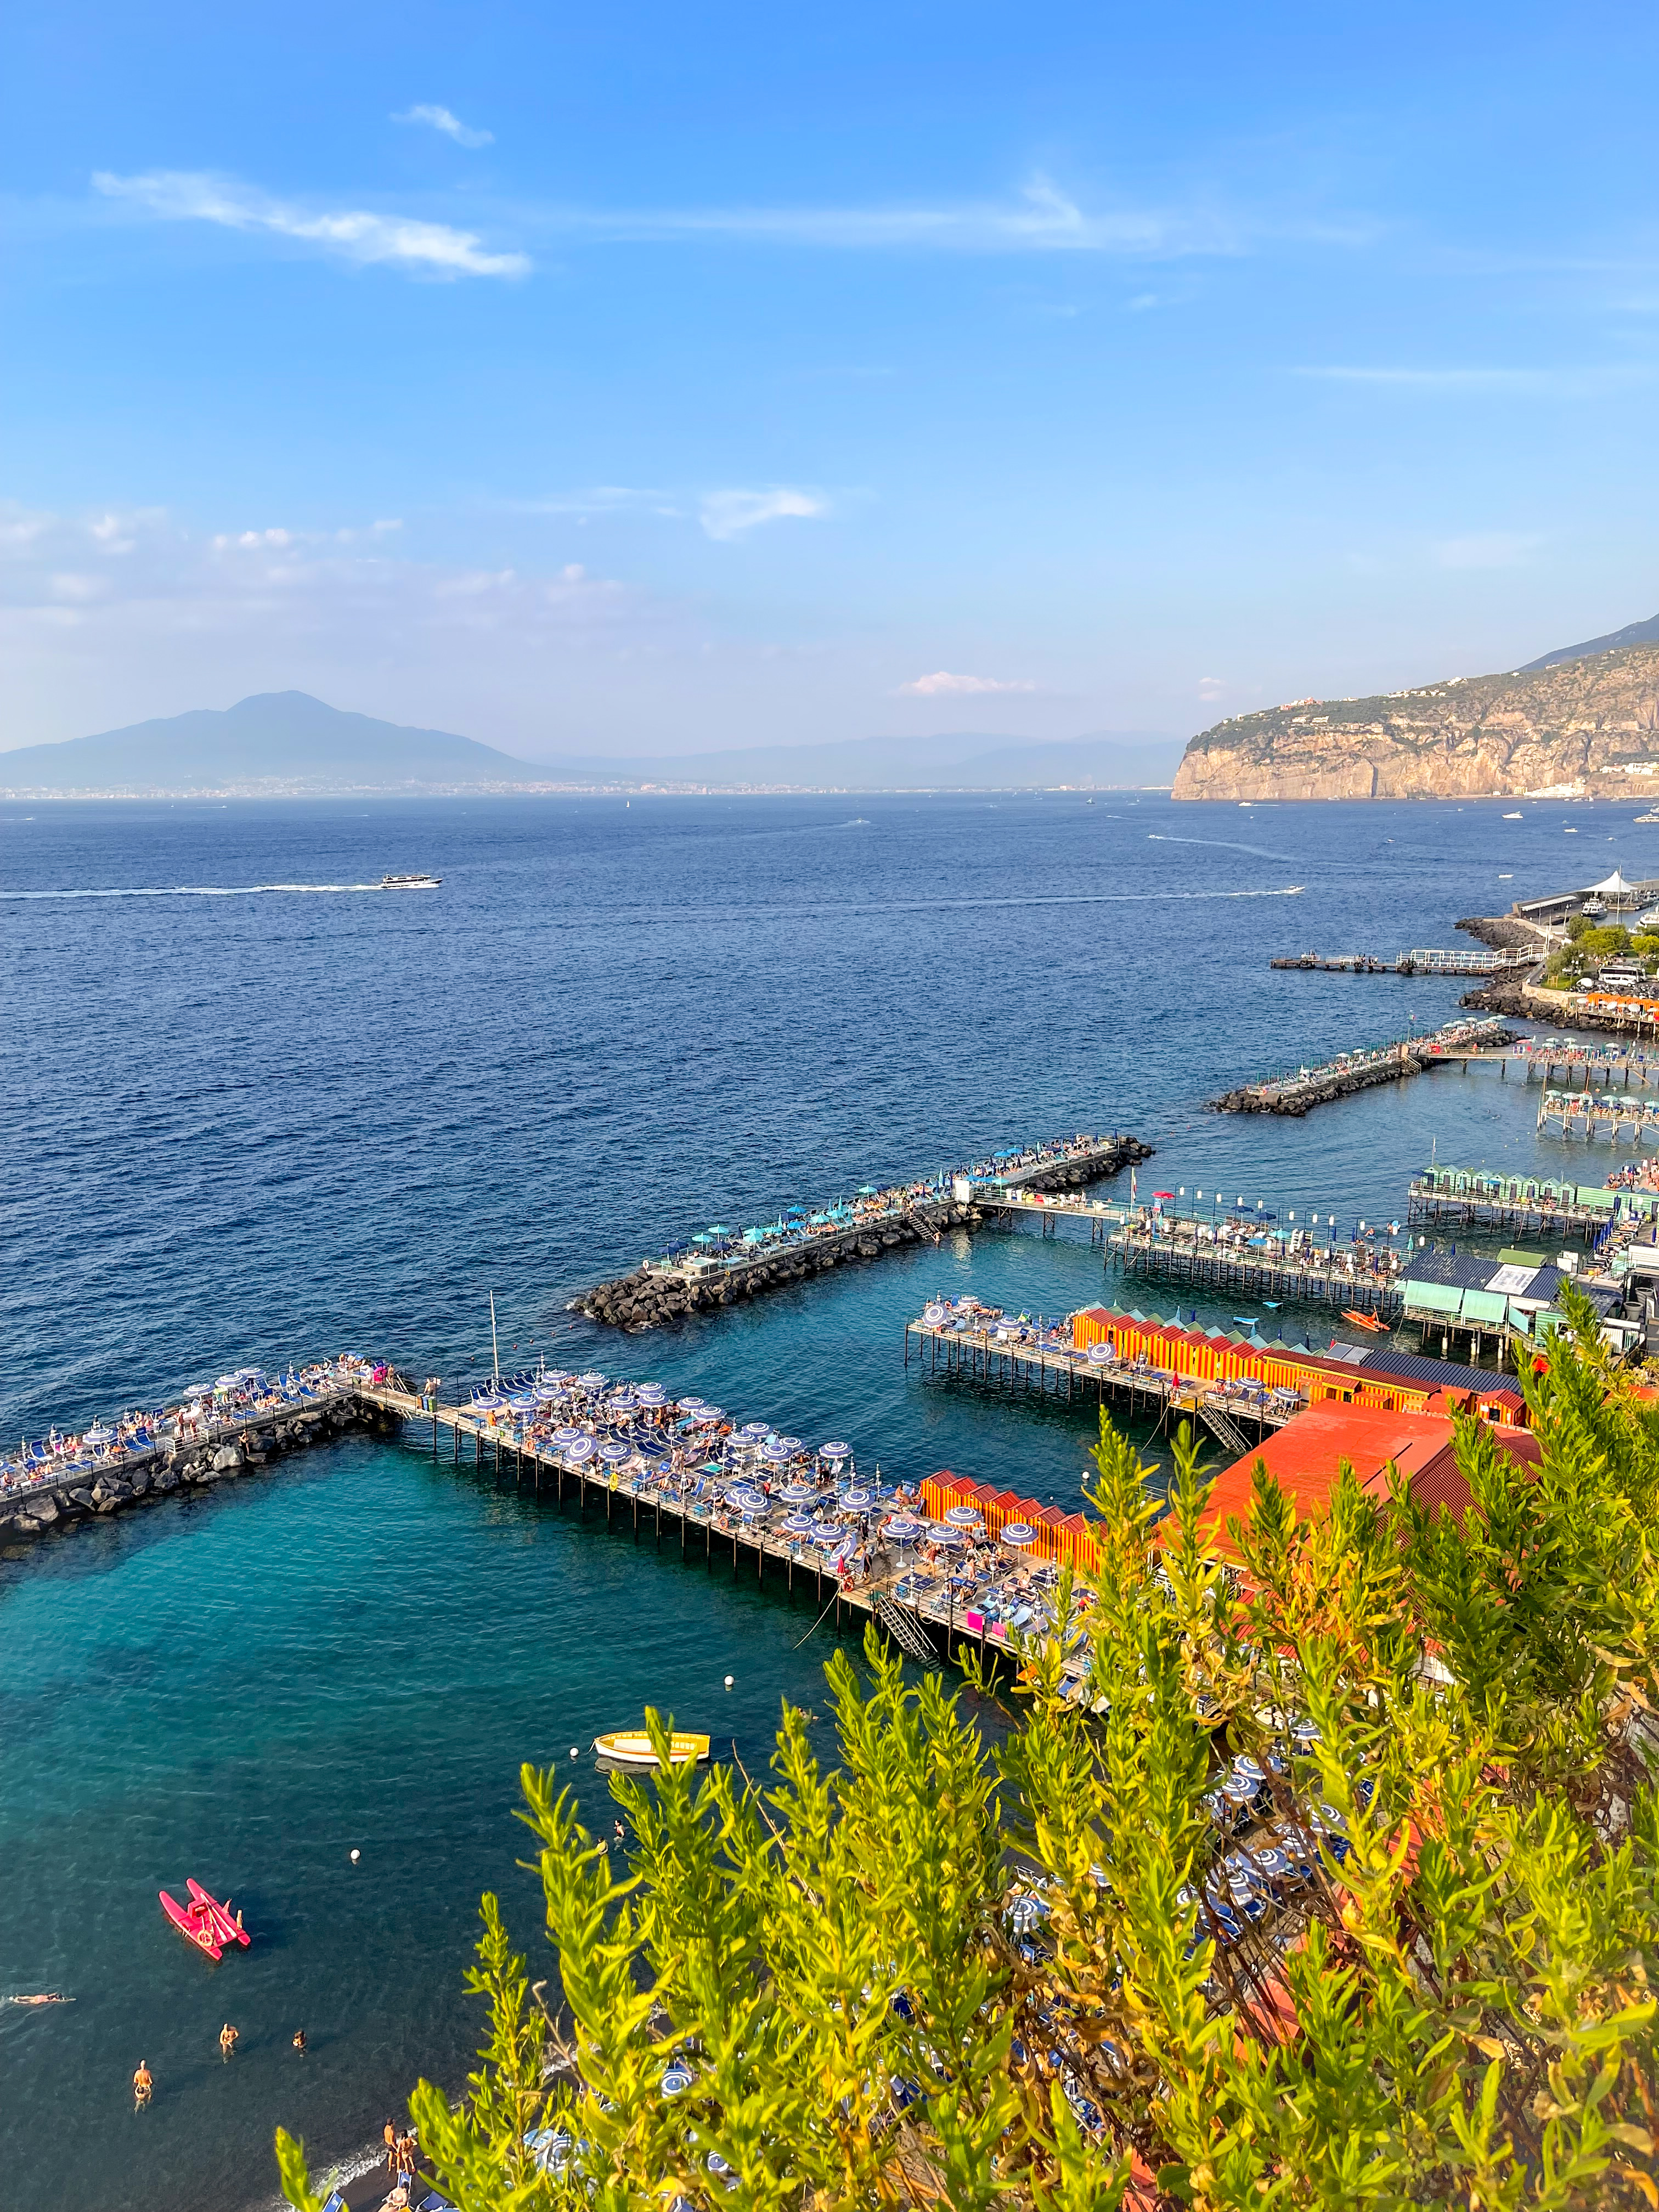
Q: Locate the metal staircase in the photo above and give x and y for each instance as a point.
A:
(909, 1635)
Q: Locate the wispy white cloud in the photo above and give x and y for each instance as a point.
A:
(942, 685)
(1043, 218)
(726, 514)
(1488, 549)
(429, 249)
(1582, 383)
(603, 499)
(439, 119)
(1210, 689)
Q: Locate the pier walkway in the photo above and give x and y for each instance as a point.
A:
(1470, 1198)
(1589, 1113)
(1250, 1262)
(1007, 1353)
(864, 1548)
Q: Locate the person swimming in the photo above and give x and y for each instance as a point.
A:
(143, 2084)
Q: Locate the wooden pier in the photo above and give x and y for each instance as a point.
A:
(1004, 1356)
(1530, 1205)
(1589, 1113)
(1270, 1267)
(925, 1625)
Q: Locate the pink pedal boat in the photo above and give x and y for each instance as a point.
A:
(204, 1922)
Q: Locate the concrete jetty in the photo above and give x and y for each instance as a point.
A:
(1298, 1090)
(1424, 960)
(103, 1469)
(725, 1267)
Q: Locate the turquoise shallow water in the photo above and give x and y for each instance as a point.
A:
(243, 1127)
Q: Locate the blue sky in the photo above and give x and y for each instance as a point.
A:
(671, 378)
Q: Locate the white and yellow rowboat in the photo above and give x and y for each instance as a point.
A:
(632, 1747)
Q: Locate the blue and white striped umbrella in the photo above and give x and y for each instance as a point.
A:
(592, 1382)
(903, 1529)
(613, 1454)
(565, 1437)
(1020, 1534)
(582, 1449)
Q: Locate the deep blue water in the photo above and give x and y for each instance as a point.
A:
(243, 1127)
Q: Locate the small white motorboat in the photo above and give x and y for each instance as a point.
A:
(410, 883)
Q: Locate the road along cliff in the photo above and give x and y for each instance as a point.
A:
(1583, 727)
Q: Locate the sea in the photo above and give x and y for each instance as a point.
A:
(258, 1109)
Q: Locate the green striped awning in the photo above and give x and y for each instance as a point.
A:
(1433, 1298)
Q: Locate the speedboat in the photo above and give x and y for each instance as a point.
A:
(633, 1748)
(410, 883)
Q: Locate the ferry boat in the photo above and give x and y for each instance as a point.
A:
(410, 883)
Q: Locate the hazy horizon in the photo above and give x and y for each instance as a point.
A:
(621, 385)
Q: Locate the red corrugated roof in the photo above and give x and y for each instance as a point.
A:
(1304, 1455)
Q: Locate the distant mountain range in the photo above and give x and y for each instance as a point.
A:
(286, 744)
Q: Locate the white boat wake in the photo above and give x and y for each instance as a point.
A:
(189, 890)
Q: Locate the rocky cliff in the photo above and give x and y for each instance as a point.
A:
(1589, 725)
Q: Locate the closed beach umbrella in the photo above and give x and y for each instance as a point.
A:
(965, 1517)
(1020, 1534)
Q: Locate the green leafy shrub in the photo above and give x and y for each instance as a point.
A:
(953, 1971)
